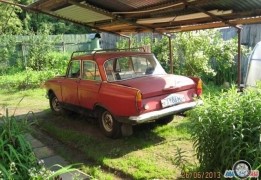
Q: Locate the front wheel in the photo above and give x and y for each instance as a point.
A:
(109, 126)
(55, 105)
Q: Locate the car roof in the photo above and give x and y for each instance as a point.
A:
(103, 56)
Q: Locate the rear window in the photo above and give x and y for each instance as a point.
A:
(129, 67)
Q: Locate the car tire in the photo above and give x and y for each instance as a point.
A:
(109, 126)
(165, 120)
(55, 105)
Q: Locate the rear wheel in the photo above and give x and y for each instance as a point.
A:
(165, 120)
(109, 126)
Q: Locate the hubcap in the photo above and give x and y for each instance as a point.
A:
(55, 104)
(107, 121)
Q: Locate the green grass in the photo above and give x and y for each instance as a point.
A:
(23, 101)
(150, 153)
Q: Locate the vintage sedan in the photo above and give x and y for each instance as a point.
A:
(122, 89)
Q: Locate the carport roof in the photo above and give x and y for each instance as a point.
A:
(162, 16)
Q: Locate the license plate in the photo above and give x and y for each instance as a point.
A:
(172, 100)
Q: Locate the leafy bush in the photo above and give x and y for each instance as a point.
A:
(40, 45)
(15, 80)
(26, 79)
(227, 128)
(57, 61)
(9, 56)
(17, 158)
(16, 155)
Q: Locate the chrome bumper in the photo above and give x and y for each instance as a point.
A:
(163, 112)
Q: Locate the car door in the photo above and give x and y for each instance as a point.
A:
(70, 83)
(89, 86)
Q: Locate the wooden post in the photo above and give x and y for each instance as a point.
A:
(239, 57)
(63, 44)
(170, 55)
(23, 54)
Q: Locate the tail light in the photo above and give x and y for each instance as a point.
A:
(198, 83)
(138, 100)
(199, 87)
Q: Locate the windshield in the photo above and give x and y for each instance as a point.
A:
(129, 67)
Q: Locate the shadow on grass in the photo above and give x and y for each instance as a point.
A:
(82, 133)
(79, 132)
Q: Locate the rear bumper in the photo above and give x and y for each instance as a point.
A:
(161, 113)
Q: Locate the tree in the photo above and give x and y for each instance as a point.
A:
(9, 20)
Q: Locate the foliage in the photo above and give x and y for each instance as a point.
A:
(9, 20)
(158, 46)
(17, 158)
(9, 56)
(196, 53)
(41, 62)
(181, 161)
(227, 128)
(15, 21)
(40, 46)
(27, 79)
(57, 62)
(16, 154)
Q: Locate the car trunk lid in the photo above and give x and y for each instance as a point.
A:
(156, 85)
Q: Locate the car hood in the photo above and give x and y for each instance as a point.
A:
(154, 85)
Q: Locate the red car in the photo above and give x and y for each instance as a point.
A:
(121, 89)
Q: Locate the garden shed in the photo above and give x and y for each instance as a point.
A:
(122, 17)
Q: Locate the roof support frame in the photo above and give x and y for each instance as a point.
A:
(114, 17)
(209, 14)
(179, 4)
(239, 57)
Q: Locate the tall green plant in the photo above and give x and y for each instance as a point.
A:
(16, 155)
(17, 159)
(227, 128)
(8, 53)
(40, 45)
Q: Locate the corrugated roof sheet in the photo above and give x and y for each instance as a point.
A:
(80, 14)
(121, 16)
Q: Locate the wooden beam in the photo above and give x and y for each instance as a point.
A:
(210, 25)
(146, 12)
(192, 16)
(49, 4)
(210, 14)
(113, 25)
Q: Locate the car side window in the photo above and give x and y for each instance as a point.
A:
(74, 69)
(90, 71)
